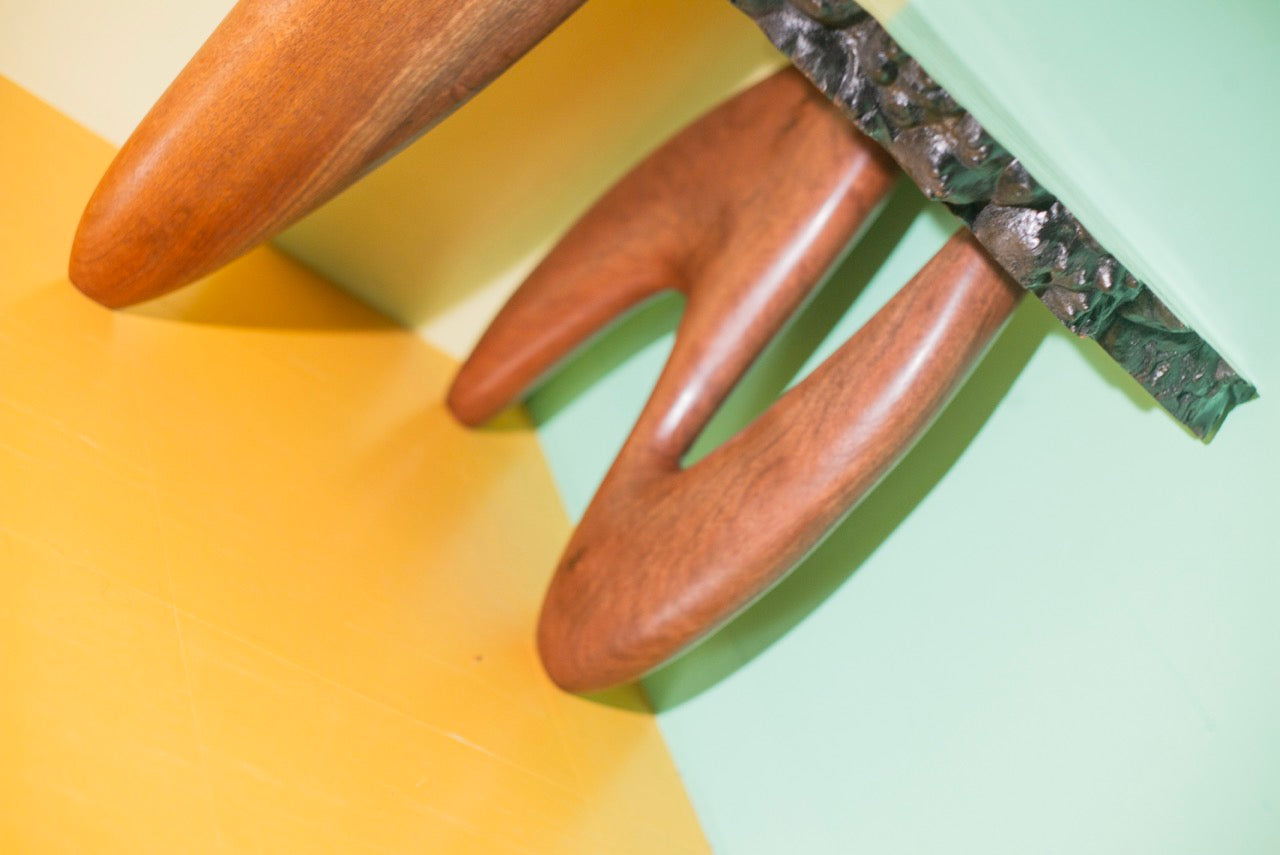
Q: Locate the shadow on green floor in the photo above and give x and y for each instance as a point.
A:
(852, 542)
(857, 537)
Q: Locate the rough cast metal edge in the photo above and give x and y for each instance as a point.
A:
(1032, 235)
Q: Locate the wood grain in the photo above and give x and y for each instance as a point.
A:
(665, 555)
(743, 212)
(286, 104)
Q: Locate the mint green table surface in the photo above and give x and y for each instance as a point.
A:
(1054, 627)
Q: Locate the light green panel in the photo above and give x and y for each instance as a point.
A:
(1155, 122)
(1052, 628)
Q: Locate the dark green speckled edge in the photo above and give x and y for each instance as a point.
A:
(1024, 227)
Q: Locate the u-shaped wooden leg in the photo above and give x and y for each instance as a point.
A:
(743, 212)
(665, 555)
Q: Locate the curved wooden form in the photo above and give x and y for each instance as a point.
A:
(664, 555)
(286, 104)
(743, 212)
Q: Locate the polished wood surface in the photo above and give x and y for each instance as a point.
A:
(286, 104)
(665, 554)
(743, 212)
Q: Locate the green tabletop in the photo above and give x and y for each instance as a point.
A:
(1052, 628)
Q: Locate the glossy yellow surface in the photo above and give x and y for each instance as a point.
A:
(259, 593)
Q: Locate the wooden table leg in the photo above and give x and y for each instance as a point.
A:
(743, 212)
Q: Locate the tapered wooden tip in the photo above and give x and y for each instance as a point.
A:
(569, 660)
(286, 104)
(122, 254)
(483, 387)
(96, 280)
(585, 671)
(589, 644)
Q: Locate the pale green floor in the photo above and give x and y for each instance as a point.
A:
(1053, 628)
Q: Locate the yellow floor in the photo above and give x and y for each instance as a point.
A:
(258, 592)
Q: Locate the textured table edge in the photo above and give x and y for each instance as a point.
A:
(849, 56)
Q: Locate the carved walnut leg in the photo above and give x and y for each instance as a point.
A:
(286, 104)
(743, 212)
